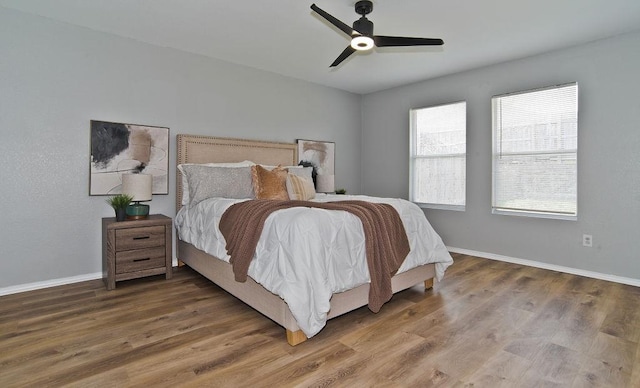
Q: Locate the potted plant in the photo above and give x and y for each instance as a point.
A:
(119, 203)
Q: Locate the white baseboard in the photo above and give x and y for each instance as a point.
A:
(49, 283)
(491, 256)
(552, 267)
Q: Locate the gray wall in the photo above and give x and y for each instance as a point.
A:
(608, 73)
(55, 78)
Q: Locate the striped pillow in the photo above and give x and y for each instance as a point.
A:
(300, 188)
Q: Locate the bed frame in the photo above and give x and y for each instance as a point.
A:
(204, 149)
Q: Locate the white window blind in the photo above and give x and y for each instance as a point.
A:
(438, 156)
(535, 148)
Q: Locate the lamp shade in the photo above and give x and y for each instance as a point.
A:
(325, 183)
(139, 186)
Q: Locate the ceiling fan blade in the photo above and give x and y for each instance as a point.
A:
(344, 55)
(389, 41)
(345, 28)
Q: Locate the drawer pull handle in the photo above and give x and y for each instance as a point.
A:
(145, 259)
(142, 238)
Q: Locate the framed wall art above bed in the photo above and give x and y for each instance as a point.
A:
(321, 156)
(118, 148)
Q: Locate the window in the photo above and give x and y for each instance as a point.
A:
(535, 148)
(438, 156)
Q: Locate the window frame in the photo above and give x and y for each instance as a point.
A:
(494, 143)
(413, 157)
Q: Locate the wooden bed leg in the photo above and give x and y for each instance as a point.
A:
(295, 337)
(428, 284)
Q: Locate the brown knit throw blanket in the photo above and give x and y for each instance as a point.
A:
(385, 238)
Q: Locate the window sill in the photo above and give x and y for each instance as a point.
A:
(458, 208)
(522, 213)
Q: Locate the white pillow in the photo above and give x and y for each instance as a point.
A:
(185, 184)
(295, 170)
(301, 171)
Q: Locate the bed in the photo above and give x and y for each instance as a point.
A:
(194, 149)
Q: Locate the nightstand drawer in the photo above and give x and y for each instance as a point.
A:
(137, 238)
(140, 259)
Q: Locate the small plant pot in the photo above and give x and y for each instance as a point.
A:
(121, 214)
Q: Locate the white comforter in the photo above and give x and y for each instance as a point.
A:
(305, 255)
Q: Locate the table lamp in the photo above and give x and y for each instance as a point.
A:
(140, 187)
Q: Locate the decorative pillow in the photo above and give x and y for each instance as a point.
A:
(224, 182)
(269, 184)
(300, 188)
(185, 184)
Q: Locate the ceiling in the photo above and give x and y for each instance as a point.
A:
(286, 37)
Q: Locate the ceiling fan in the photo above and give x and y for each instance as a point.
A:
(362, 37)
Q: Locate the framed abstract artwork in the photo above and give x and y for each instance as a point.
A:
(320, 155)
(118, 148)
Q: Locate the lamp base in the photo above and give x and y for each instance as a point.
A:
(137, 211)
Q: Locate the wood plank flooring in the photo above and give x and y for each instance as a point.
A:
(487, 324)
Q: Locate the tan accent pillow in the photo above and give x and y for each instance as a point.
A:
(269, 184)
(300, 188)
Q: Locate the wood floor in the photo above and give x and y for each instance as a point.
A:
(488, 324)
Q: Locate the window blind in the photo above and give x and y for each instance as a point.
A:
(535, 148)
(438, 156)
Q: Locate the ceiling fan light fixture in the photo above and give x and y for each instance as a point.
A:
(362, 37)
(362, 43)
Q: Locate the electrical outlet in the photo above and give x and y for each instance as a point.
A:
(587, 240)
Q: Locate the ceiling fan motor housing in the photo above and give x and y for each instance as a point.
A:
(363, 26)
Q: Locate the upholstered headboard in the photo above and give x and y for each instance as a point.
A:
(206, 149)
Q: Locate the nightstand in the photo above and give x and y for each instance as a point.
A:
(134, 249)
